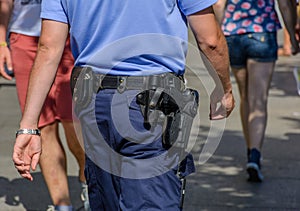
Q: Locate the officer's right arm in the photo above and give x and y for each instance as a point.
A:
(52, 41)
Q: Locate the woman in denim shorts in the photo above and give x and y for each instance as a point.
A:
(250, 28)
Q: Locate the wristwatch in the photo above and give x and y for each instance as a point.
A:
(28, 131)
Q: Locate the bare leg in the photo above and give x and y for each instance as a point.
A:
(259, 78)
(253, 83)
(53, 165)
(75, 147)
(77, 150)
(241, 79)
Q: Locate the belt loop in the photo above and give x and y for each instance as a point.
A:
(98, 82)
(171, 80)
(155, 81)
(122, 82)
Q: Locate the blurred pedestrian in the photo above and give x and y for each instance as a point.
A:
(250, 28)
(288, 11)
(286, 49)
(24, 31)
(135, 52)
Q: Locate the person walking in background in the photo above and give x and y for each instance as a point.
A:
(250, 28)
(24, 30)
(288, 11)
(125, 46)
(286, 49)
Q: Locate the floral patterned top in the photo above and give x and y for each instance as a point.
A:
(246, 16)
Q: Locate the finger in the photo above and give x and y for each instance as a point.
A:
(212, 109)
(9, 64)
(217, 117)
(18, 162)
(34, 161)
(26, 175)
(229, 112)
(230, 108)
(16, 159)
(220, 113)
(22, 168)
(5, 75)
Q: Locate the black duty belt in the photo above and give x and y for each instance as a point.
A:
(122, 83)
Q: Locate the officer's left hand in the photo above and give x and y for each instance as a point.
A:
(26, 154)
(221, 106)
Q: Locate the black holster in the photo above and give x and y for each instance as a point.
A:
(179, 107)
(82, 86)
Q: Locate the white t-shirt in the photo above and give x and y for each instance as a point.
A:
(25, 18)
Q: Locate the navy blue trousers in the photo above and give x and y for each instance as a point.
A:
(127, 167)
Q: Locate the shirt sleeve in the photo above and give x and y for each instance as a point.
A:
(54, 10)
(189, 7)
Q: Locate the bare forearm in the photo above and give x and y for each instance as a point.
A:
(212, 43)
(219, 59)
(5, 12)
(51, 46)
(41, 79)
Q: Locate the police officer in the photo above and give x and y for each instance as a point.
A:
(131, 58)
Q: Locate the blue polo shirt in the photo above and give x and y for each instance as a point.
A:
(127, 37)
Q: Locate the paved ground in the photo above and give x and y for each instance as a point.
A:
(220, 183)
